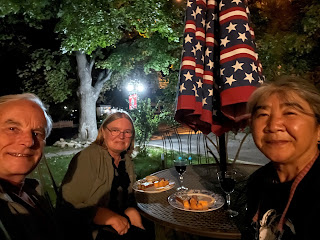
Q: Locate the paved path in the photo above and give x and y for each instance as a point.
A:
(195, 144)
(63, 152)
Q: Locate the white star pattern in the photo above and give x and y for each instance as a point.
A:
(194, 51)
(249, 77)
(188, 76)
(199, 83)
(198, 10)
(203, 22)
(182, 87)
(188, 38)
(254, 67)
(198, 46)
(247, 27)
(225, 41)
(195, 91)
(221, 4)
(236, 1)
(214, 16)
(204, 101)
(237, 66)
(231, 27)
(222, 71)
(194, 15)
(230, 80)
(242, 36)
(210, 64)
(208, 25)
(208, 52)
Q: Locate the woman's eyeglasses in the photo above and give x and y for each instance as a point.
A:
(116, 132)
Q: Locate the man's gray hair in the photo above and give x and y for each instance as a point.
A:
(33, 98)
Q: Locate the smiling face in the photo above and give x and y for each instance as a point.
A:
(22, 138)
(120, 143)
(285, 129)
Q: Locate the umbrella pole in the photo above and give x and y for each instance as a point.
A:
(223, 152)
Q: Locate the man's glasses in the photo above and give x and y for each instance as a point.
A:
(116, 132)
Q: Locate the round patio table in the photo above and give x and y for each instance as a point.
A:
(213, 224)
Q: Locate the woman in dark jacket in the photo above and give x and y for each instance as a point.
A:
(96, 193)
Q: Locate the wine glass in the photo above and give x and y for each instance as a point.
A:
(227, 181)
(181, 167)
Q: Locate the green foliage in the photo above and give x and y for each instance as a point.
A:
(168, 99)
(31, 12)
(91, 24)
(161, 16)
(147, 164)
(146, 122)
(288, 36)
(88, 25)
(155, 53)
(51, 71)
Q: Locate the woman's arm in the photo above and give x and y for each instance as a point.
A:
(105, 216)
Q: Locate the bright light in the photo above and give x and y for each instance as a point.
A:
(130, 87)
(140, 87)
(65, 107)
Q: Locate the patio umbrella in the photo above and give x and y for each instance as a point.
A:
(219, 68)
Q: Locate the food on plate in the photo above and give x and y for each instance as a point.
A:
(152, 181)
(151, 178)
(193, 202)
(144, 185)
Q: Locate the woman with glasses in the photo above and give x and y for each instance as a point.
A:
(97, 200)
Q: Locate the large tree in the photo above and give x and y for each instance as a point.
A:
(107, 39)
(97, 41)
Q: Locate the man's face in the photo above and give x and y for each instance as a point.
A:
(22, 138)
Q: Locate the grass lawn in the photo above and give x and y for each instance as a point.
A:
(145, 164)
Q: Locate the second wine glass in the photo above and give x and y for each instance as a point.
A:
(181, 167)
(227, 181)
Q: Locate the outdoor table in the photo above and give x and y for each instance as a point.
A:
(214, 224)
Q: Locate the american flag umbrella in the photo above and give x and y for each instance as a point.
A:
(219, 68)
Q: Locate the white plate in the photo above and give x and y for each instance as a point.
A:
(217, 201)
(153, 189)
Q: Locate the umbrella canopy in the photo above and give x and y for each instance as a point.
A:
(220, 67)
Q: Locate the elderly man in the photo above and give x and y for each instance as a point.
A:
(24, 127)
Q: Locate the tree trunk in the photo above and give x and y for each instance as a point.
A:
(88, 98)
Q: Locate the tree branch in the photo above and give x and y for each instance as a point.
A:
(91, 63)
(103, 77)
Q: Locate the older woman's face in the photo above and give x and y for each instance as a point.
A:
(120, 143)
(283, 132)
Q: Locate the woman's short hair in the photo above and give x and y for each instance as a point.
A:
(33, 98)
(110, 118)
(284, 86)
